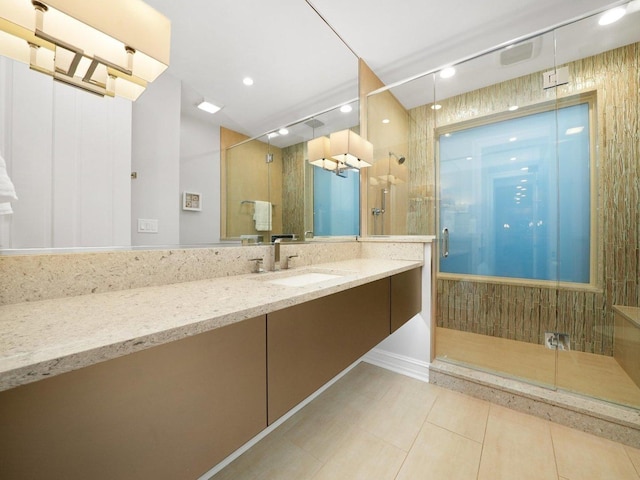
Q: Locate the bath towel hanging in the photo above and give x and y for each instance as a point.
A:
(262, 215)
(7, 190)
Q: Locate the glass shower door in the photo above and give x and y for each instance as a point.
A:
(601, 321)
(497, 212)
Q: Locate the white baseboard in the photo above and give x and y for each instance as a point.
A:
(408, 366)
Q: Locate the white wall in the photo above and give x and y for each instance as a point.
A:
(200, 172)
(156, 160)
(69, 154)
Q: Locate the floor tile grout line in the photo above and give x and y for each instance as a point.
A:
(426, 420)
(484, 437)
(454, 432)
(553, 447)
(637, 469)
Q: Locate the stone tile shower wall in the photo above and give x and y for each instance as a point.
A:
(293, 191)
(525, 312)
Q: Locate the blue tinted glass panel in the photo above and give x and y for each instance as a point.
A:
(336, 203)
(515, 196)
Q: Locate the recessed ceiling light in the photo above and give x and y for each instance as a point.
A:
(208, 107)
(513, 108)
(524, 180)
(611, 16)
(248, 81)
(447, 72)
(346, 108)
(447, 135)
(574, 130)
(513, 158)
(385, 120)
(513, 139)
(272, 135)
(436, 106)
(283, 131)
(525, 169)
(469, 158)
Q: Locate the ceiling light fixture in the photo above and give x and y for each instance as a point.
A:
(346, 108)
(447, 72)
(80, 44)
(611, 16)
(342, 150)
(248, 81)
(513, 108)
(208, 107)
(436, 106)
(283, 131)
(320, 155)
(385, 120)
(574, 130)
(351, 149)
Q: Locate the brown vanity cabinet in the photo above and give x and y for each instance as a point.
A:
(310, 343)
(177, 409)
(171, 411)
(406, 297)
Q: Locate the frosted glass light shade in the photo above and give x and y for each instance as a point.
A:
(319, 153)
(118, 45)
(351, 149)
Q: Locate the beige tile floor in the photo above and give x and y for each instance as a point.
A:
(375, 424)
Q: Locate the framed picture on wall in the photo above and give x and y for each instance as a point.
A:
(191, 201)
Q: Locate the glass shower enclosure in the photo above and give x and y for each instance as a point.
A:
(524, 162)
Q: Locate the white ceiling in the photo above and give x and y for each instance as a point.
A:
(300, 66)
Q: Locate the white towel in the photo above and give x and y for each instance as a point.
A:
(5, 209)
(262, 215)
(7, 190)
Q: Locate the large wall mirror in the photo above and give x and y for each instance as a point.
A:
(94, 172)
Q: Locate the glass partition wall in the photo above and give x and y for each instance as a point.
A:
(524, 163)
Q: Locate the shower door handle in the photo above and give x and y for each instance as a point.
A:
(445, 243)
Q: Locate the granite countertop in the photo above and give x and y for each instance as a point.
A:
(49, 337)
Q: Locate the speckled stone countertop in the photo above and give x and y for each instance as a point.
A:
(49, 337)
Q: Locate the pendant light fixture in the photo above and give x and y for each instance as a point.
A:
(340, 151)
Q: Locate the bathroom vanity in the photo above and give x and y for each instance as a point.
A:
(166, 381)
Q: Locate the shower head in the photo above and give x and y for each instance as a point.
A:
(399, 158)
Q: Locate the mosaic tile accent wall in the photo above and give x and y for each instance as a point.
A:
(293, 192)
(524, 312)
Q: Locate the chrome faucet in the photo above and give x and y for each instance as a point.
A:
(276, 254)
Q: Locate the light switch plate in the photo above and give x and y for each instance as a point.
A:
(147, 225)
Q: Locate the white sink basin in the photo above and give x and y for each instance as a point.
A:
(304, 279)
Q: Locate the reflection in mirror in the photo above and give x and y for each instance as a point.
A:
(254, 189)
(106, 173)
(304, 200)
